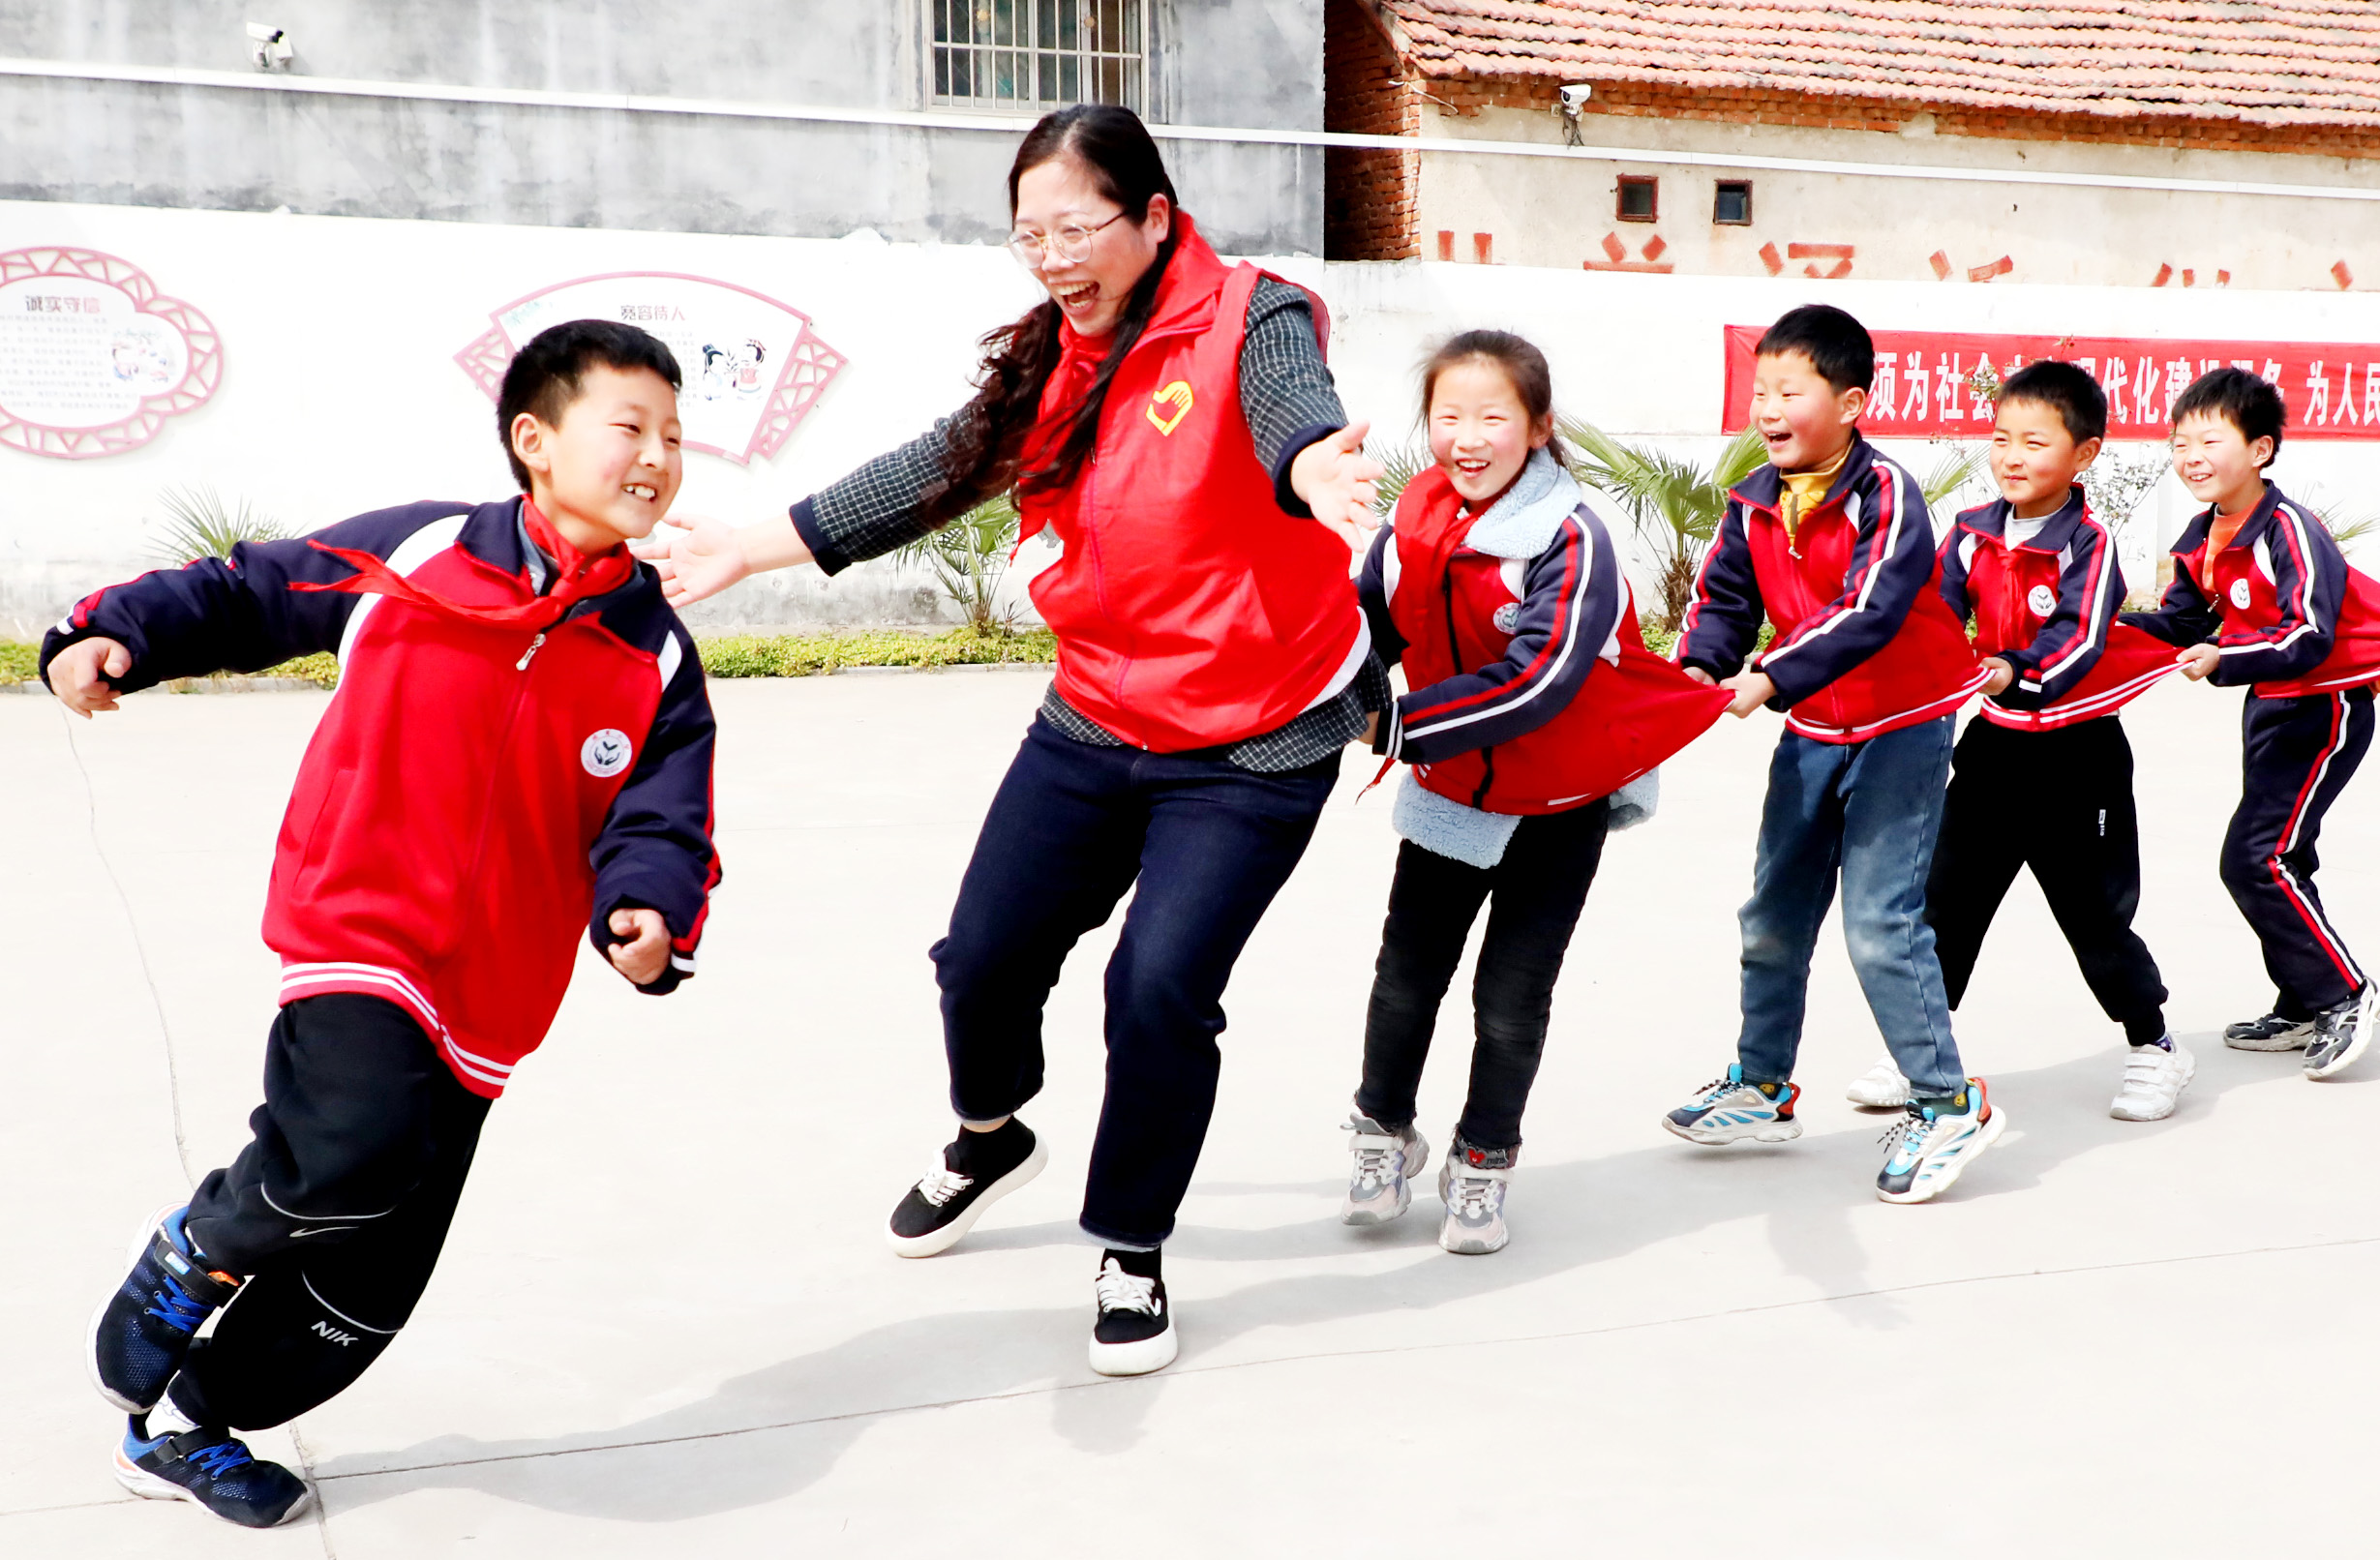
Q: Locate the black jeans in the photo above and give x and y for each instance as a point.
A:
(1537, 891)
(335, 1214)
(2297, 754)
(1071, 829)
(2061, 802)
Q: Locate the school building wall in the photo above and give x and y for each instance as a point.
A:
(340, 391)
(1563, 212)
(228, 146)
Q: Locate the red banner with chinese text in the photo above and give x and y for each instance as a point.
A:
(1935, 384)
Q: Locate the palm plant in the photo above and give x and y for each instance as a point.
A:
(202, 525)
(1674, 504)
(970, 557)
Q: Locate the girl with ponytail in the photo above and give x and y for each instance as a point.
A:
(1170, 418)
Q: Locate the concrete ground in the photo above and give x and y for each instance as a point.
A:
(667, 1323)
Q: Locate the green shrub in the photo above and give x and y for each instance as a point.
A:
(805, 655)
(18, 663)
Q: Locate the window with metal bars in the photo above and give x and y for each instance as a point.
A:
(1026, 53)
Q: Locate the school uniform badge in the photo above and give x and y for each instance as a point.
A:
(2042, 600)
(2238, 595)
(606, 753)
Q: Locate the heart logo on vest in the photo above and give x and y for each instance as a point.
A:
(1176, 395)
(2042, 600)
(606, 753)
(1507, 617)
(2238, 595)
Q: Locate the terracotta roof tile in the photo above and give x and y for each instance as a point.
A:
(2290, 61)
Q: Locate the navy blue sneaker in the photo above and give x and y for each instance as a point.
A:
(213, 1468)
(142, 1332)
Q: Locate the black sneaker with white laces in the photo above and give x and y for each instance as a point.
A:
(977, 1171)
(2342, 1033)
(1134, 1334)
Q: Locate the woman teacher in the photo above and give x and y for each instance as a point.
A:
(1171, 419)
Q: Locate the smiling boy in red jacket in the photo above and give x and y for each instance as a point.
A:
(1833, 544)
(519, 747)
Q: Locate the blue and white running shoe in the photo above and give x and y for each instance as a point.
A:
(212, 1468)
(141, 1332)
(1729, 1110)
(1931, 1146)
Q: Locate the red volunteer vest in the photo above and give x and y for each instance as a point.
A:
(1191, 610)
(1626, 718)
(2015, 592)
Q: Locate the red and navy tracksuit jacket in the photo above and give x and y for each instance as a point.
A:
(477, 791)
(1864, 643)
(1532, 691)
(2048, 608)
(2290, 620)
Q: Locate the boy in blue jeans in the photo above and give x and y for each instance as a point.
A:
(1832, 543)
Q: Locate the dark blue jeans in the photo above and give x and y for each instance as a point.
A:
(1868, 812)
(1071, 829)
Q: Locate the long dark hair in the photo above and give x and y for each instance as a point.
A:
(984, 449)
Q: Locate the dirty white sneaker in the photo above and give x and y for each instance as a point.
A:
(1378, 1185)
(1880, 1088)
(2342, 1033)
(2154, 1079)
(1471, 1183)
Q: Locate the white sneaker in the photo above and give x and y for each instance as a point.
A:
(1472, 1186)
(1378, 1185)
(1932, 1146)
(1880, 1088)
(2153, 1078)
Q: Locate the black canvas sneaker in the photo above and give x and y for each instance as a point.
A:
(975, 1172)
(1134, 1334)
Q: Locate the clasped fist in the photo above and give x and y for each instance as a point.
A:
(83, 674)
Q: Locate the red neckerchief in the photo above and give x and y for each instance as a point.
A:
(577, 576)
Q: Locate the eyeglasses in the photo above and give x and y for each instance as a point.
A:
(1071, 244)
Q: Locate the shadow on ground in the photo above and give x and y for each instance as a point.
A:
(786, 1426)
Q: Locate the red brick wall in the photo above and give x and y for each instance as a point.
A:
(1369, 209)
(1762, 106)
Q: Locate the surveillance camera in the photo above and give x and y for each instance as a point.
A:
(1576, 96)
(268, 47)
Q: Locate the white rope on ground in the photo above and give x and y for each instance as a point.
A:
(173, 1076)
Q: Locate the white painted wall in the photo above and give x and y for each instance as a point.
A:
(339, 393)
(1556, 212)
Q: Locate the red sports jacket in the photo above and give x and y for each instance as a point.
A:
(1190, 610)
(476, 794)
(1532, 689)
(1864, 643)
(2048, 609)
(2287, 614)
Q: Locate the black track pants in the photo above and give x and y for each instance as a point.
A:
(2297, 754)
(334, 1214)
(2061, 802)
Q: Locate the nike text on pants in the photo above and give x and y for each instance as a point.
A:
(2296, 756)
(1868, 811)
(334, 1214)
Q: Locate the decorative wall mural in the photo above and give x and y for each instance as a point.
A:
(753, 366)
(93, 358)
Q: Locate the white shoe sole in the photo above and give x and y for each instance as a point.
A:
(1871, 1101)
(935, 1242)
(1474, 1247)
(2189, 1072)
(1784, 1131)
(148, 1487)
(2294, 1040)
(1926, 1191)
(1137, 1359)
(90, 1352)
(2364, 1020)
